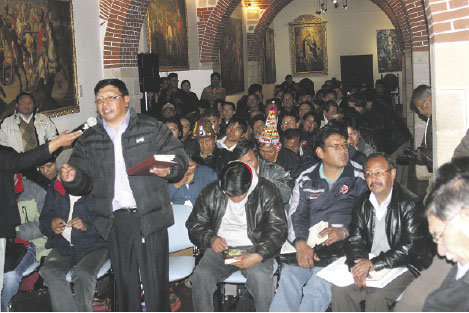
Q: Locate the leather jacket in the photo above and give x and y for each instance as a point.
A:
(406, 230)
(266, 221)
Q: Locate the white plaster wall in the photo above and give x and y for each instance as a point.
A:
(349, 32)
(89, 61)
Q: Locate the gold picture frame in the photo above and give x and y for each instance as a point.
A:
(308, 45)
(167, 33)
(39, 56)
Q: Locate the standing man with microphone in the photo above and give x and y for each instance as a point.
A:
(132, 212)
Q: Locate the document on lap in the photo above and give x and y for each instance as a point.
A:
(156, 160)
(313, 238)
(338, 274)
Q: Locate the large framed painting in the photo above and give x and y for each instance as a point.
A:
(308, 46)
(389, 51)
(232, 57)
(167, 33)
(268, 60)
(37, 55)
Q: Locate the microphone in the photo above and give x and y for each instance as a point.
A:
(90, 122)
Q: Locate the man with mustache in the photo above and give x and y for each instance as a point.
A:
(387, 222)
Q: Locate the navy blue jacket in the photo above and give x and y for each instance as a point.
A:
(313, 201)
(58, 205)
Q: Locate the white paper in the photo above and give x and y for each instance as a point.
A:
(338, 274)
(164, 157)
(313, 238)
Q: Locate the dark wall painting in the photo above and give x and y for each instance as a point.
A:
(389, 51)
(232, 58)
(268, 65)
(167, 33)
(37, 55)
(308, 46)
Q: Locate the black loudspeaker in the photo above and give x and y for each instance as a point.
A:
(148, 71)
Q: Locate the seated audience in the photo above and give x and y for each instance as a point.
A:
(235, 131)
(68, 222)
(213, 116)
(329, 110)
(354, 136)
(304, 108)
(168, 110)
(387, 222)
(194, 180)
(289, 103)
(189, 99)
(324, 192)
(240, 210)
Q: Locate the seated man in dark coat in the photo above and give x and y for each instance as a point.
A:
(239, 210)
(387, 222)
(448, 219)
(68, 222)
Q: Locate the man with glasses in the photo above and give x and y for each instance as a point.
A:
(132, 212)
(325, 192)
(387, 231)
(448, 219)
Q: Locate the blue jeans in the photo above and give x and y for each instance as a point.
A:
(300, 290)
(12, 279)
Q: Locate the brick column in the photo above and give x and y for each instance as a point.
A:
(449, 37)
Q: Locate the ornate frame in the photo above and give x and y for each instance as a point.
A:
(308, 31)
(185, 40)
(25, 69)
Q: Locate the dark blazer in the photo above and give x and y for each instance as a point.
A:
(406, 229)
(93, 157)
(58, 205)
(12, 162)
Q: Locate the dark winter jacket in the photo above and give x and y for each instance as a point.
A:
(57, 205)
(406, 230)
(93, 157)
(266, 222)
(313, 201)
(12, 162)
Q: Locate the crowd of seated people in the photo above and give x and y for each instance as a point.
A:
(261, 175)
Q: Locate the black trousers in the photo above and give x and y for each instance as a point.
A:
(133, 259)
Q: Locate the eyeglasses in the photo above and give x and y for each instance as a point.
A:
(377, 173)
(289, 122)
(437, 238)
(338, 146)
(107, 99)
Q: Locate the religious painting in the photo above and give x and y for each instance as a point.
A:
(37, 55)
(269, 73)
(308, 46)
(232, 57)
(389, 51)
(167, 33)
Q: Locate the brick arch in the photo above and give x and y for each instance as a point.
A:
(124, 21)
(407, 17)
(211, 24)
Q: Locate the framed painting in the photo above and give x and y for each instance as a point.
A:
(232, 57)
(389, 51)
(167, 33)
(268, 60)
(308, 46)
(37, 54)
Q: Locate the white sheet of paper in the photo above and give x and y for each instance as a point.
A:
(338, 274)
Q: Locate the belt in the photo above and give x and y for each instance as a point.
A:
(126, 210)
